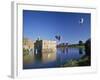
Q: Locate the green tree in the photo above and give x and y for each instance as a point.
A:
(88, 47)
(25, 51)
(80, 42)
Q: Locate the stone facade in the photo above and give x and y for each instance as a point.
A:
(46, 49)
(45, 46)
(48, 46)
(28, 44)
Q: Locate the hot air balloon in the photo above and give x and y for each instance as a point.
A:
(81, 21)
(58, 37)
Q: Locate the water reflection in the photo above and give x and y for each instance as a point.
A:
(45, 57)
(53, 59)
(48, 57)
(80, 50)
(38, 56)
(64, 50)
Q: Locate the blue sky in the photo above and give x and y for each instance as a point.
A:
(47, 24)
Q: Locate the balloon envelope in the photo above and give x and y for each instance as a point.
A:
(81, 21)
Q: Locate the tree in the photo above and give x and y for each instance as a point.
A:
(88, 51)
(88, 47)
(80, 42)
(25, 51)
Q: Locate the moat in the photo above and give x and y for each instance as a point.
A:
(51, 60)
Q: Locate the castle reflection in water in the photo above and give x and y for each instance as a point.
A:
(40, 50)
(47, 54)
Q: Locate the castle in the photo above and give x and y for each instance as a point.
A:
(41, 46)
(44, 49)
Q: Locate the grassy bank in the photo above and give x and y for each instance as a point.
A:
(76, 46)
(84, 61)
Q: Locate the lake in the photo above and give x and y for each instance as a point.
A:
(53, 60)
